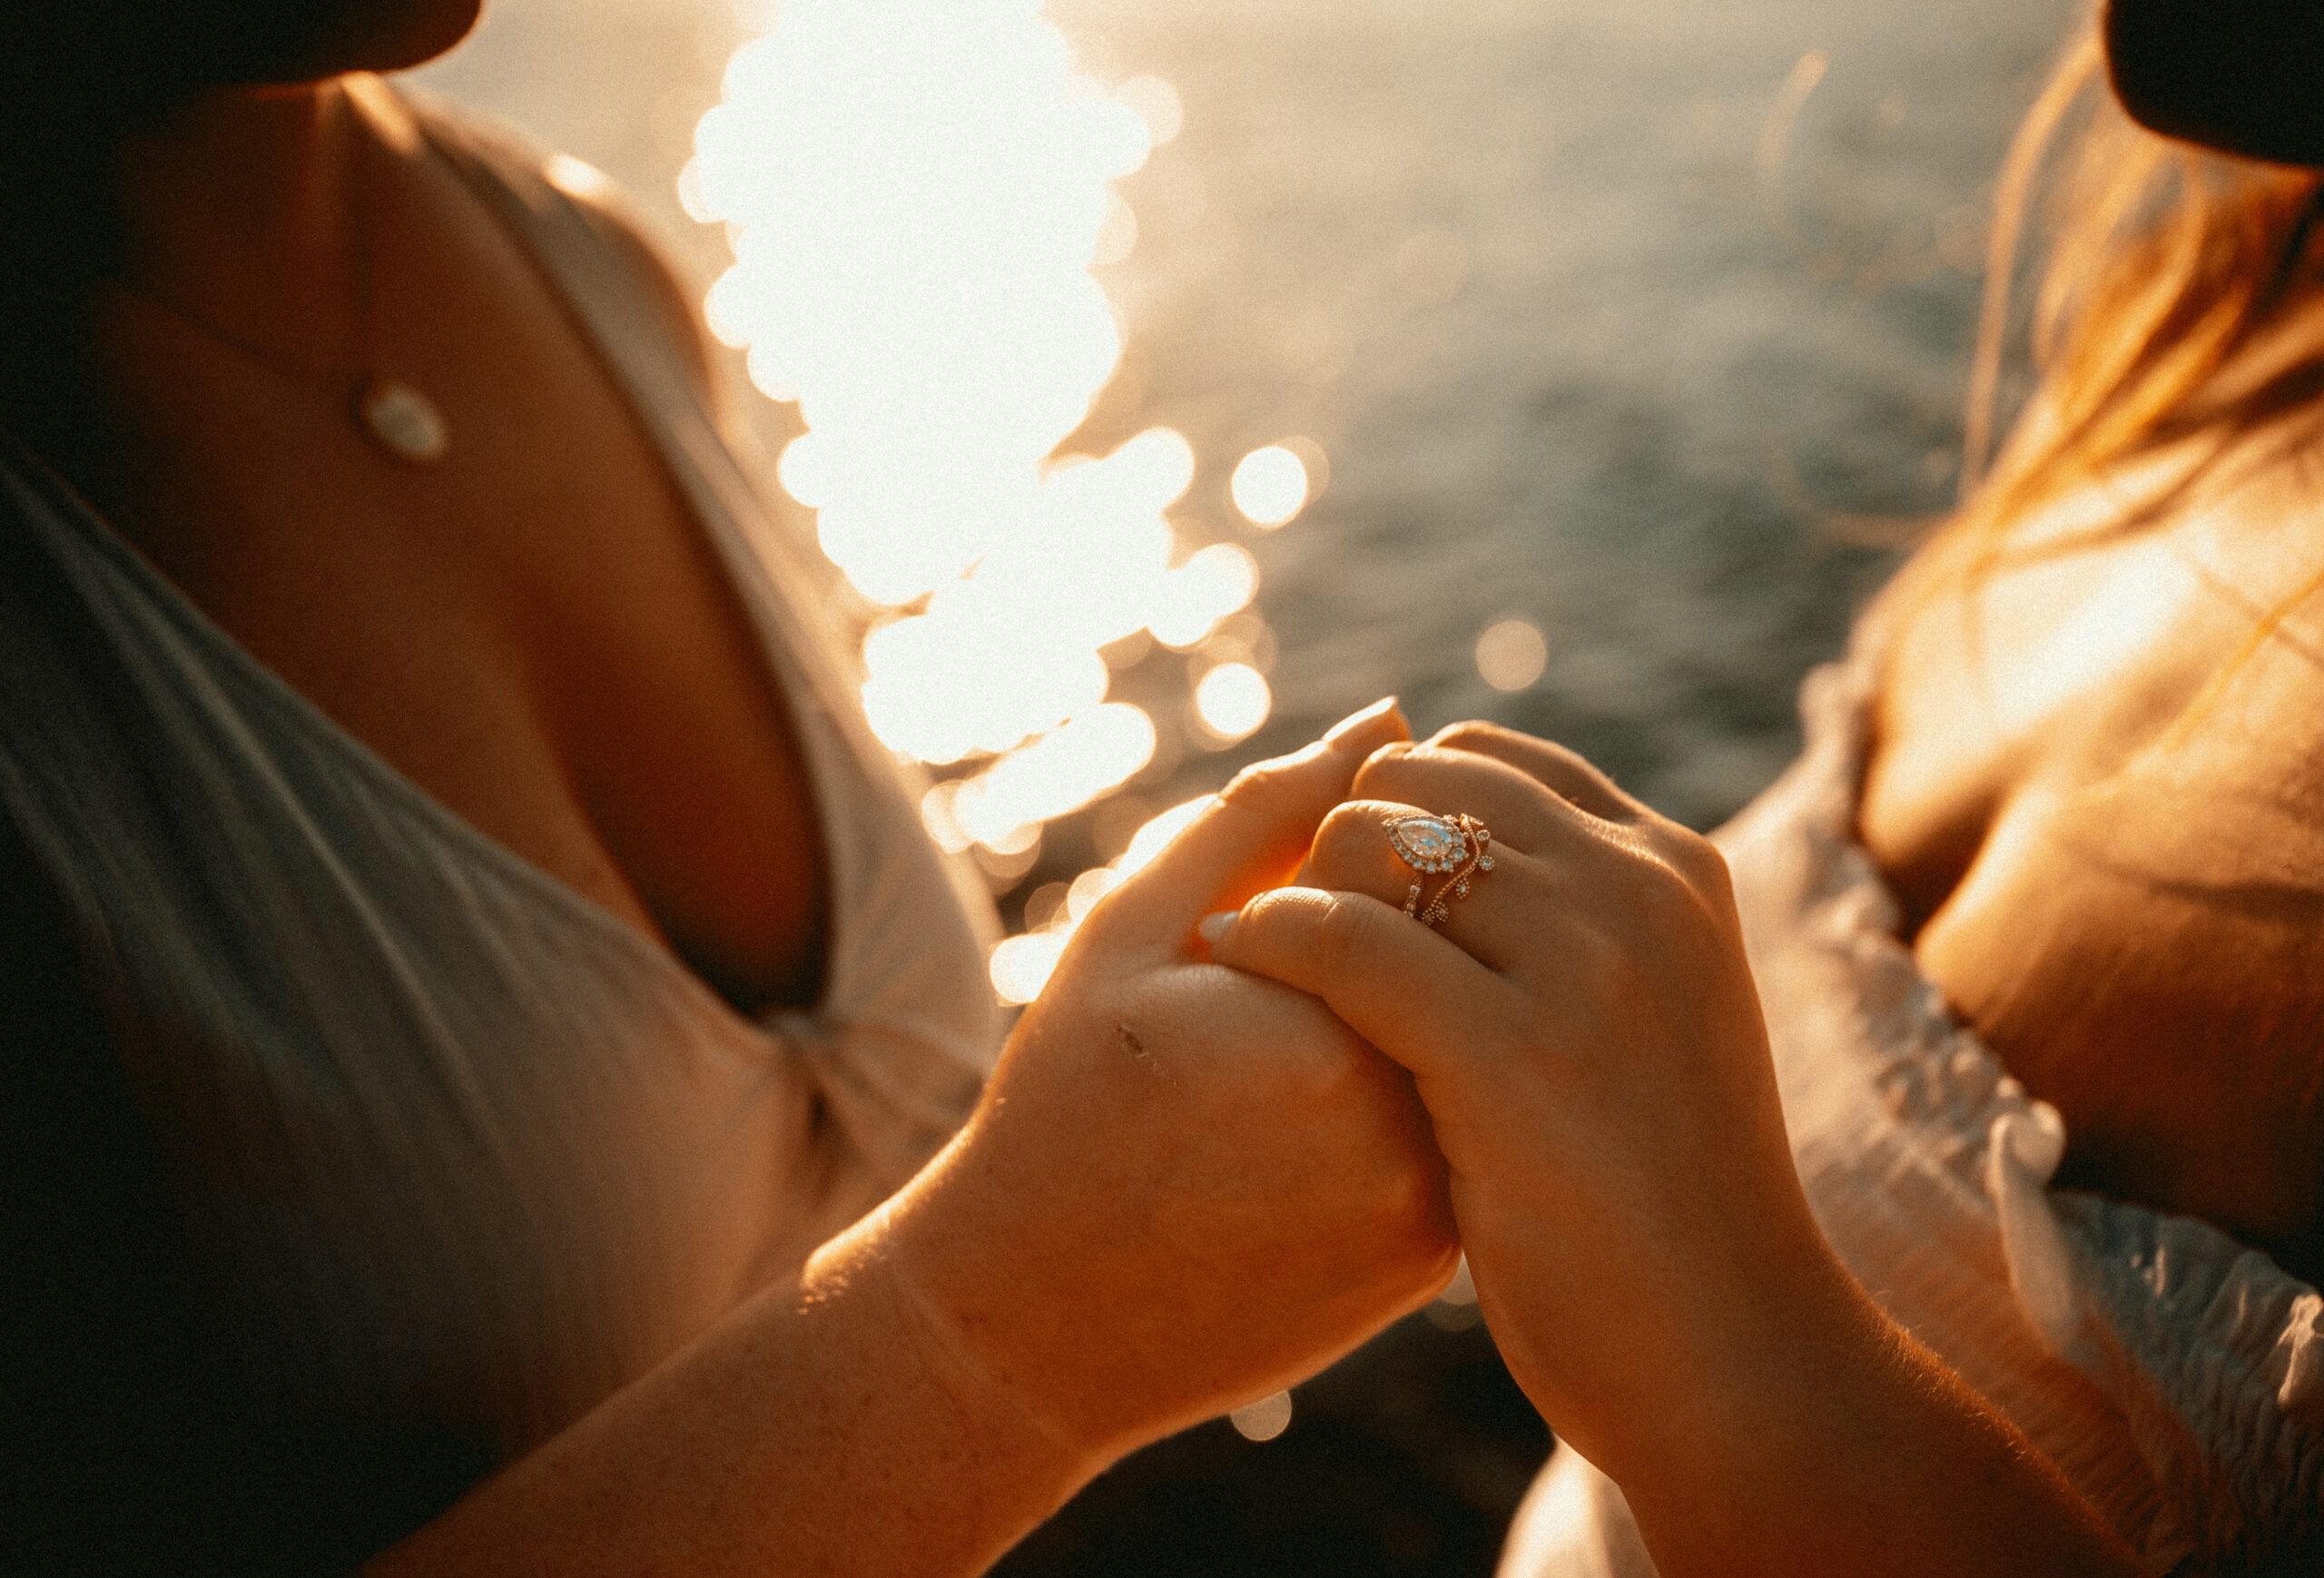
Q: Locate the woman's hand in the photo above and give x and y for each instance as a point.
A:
(1586, 1034)
(1187, 1186)
(1587, 1037)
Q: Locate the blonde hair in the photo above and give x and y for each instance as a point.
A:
(2163, 265)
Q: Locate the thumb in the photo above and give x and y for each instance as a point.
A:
(1254, 832)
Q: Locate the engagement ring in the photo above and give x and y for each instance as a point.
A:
(1457, 843)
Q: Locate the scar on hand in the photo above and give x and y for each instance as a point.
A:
(1126, 1039)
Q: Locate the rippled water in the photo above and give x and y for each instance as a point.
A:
(1578, 353)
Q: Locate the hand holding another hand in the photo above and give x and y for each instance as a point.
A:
(1187, 1186)
(1584, 1030)
(1587, 1037)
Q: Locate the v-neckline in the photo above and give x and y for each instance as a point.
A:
(650, 380)
(705, 513)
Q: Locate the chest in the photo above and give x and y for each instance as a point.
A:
(2098, 790)
(534, 629)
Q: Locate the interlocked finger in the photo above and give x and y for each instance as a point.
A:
(1250, 834)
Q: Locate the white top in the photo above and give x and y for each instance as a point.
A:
(2175, 1377)
(457, 1145)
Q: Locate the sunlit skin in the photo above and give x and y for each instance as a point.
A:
(1586, 1033)
(607, 740)
(2113, 868)
(943, 1374)
(1130, 1235)
(2095, 787)
(2107, 855)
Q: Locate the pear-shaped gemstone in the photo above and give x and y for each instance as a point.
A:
(1430, 842)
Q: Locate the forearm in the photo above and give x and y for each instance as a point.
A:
(1184, 1189)
(1846, 1448)
(827, 1427)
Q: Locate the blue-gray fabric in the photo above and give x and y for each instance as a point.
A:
(455, 1147)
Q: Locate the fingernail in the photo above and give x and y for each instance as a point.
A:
(1213, 928)
(1356, 720)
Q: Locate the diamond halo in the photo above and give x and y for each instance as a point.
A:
(1432, 844)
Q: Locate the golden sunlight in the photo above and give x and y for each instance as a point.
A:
(1233, 700)
(1512, 653)
(1020, 966)
(917, 192)
(1270, 485)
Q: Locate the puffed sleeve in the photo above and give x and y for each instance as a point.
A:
(2175, 1377)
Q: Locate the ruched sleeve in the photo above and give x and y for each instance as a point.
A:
(2174, 1376)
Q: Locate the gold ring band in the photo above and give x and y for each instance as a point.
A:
(1457, 843)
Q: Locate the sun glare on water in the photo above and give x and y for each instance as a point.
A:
(916, 192)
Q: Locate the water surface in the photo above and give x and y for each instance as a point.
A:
(1580, 351)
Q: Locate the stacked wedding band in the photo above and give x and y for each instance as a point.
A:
(1457, 843)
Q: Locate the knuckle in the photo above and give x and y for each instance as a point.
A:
(1262, 786)
(1574, 762)
(1387, 765)
(1343, 935)
(1469, 734)
(1710, 872)
(1665, 894)
(1695, 860)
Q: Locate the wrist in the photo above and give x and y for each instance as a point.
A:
(1020, 1294)
(1024, 1451)
(970, 1373)
(1830, 1442)
(1757, 1374)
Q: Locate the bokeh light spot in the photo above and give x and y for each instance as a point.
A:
(1117, 237)
(1087, 889)
(1021, 966)
(1233, 700)
(1265, 1419)
(916, 193)
(1512, 653)
(1156, 103)
(1270, 485)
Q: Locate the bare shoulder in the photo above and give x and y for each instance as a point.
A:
(627, 228)
(2086, 655)
(2099, 794)
(398, 112)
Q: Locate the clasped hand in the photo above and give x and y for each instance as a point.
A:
(1196, 1180)
(1187, 1186)
(1247, 1123)
(1584, 1031)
